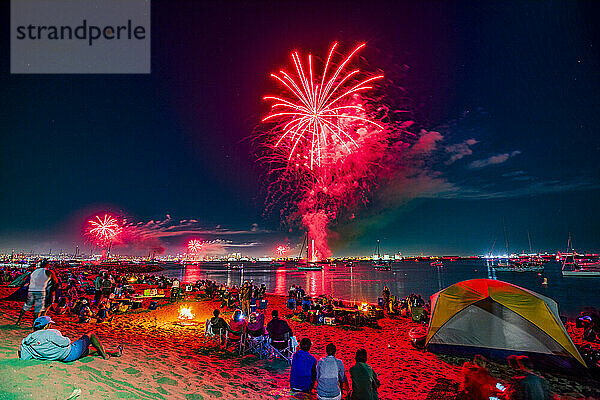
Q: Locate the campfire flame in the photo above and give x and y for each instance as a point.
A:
(186, 313)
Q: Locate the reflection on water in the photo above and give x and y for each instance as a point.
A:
(360, 282)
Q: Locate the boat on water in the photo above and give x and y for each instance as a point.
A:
(305, 265)
(378, 263)
(234, 266)
(575, 265)
(519, 267)
(309, 267)
(437, 264)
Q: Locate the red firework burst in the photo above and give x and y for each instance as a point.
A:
(105, 229)
(194, 246)
(281, 250)
(319, 118)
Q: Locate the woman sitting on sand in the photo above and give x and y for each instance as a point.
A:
(237, 325)
(49, 344)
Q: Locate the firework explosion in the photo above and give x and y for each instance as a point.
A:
(318, 118)
(103, 230)
(281, 250)
(328, 144)
(194, 246)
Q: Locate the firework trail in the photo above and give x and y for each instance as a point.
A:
(328, 144)
(104, 230)
(194, 246)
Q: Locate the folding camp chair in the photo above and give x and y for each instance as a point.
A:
(257, 345)
(236, 341)
(213, 336)
(283, 347)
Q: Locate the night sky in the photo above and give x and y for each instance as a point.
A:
(513, 88)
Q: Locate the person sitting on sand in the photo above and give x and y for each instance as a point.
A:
(49, 344)
(303, 374)
(477, 384)
(85, 314)
(237, 325)
(331, 376)
(218, 324)
(256, 326)
(364, 379)
(278, 330)
(526, 385)
(103, 310)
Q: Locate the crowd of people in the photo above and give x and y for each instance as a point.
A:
(68, 291)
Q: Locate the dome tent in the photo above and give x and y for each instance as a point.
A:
(497, 319)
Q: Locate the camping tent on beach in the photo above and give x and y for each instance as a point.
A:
(497, 319)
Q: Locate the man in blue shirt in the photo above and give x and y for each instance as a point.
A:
(49, 344)
(303, 373)
(331, 376)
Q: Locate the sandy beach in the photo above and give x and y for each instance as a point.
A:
(166, 361)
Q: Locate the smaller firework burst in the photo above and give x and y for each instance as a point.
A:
(104, 229)
(194, 246)
(281, 250)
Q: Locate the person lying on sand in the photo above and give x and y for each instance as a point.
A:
(49, 344)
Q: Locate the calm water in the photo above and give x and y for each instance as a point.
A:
(361, 282)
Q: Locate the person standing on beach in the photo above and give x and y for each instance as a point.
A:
(364, 379)
(36, 294)
(331, 376)
(98, 288)
(386, 298)
(245, 297)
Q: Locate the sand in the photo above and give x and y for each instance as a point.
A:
(166, 361)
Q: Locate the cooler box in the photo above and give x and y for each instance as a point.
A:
(153, 305)
(329, 320)
(306, 305)
(262, 304)
(418, 314)
(253, 307)
(136, 304)
(380, 302)
(291, 304)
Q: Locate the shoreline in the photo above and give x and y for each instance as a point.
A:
(165, 361)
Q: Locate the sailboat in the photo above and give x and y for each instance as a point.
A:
(378, 264)
(308, 266)
(581, 266)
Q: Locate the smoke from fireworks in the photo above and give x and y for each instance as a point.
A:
(328, 144)
(103, 230)
(194, 246)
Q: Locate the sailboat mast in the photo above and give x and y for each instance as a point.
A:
(505, 235)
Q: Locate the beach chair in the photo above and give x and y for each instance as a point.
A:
(282, 347)
(257, 345)
(213, 336)
(236, 341)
